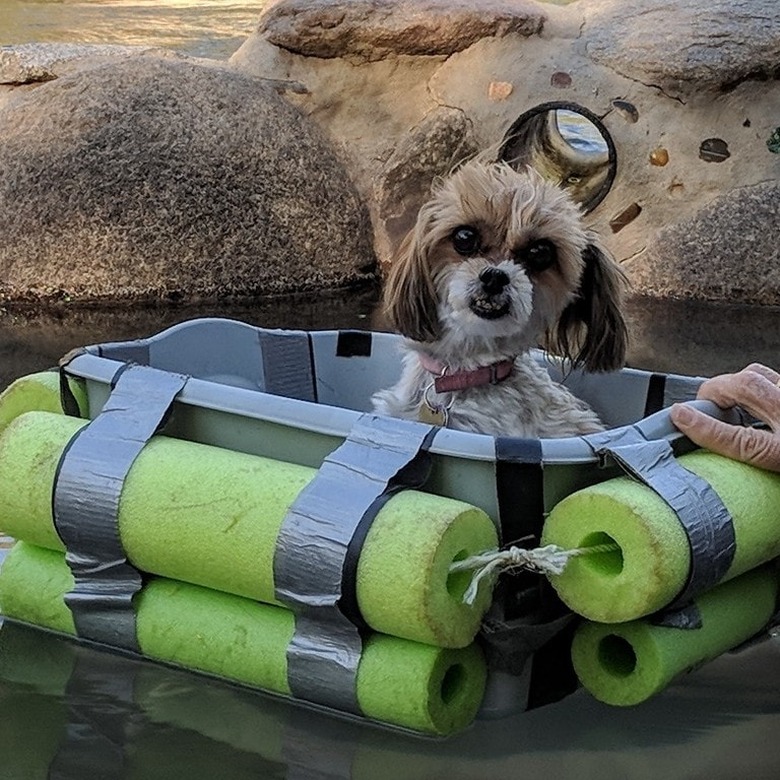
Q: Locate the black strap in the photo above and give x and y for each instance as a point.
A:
(519, 488)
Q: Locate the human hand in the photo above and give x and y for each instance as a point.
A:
(757, 390)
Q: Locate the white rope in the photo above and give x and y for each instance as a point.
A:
(550, 559)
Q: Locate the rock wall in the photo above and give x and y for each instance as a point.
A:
(148, 177)
(688, 93)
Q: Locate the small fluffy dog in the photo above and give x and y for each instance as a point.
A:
(498, 262)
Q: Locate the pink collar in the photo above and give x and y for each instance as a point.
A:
(446, 382)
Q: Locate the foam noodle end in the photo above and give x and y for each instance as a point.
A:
(38, 392)
(625, 664)
(647, 571)
(404, 584)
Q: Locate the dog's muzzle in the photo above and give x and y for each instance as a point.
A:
(492, 301)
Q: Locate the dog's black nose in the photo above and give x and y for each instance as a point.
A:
(493, 280)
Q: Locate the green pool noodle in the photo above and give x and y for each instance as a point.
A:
(172, 700)
(38, 392)
(210, 516)
(651, 566)
(627, 663)
(429, 689)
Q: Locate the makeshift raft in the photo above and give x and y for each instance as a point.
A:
(233, 507)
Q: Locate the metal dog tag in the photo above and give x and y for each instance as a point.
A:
(431, 416)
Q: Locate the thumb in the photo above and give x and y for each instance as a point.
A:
(704, 430)
(750, 445)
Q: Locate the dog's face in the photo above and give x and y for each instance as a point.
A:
(501, 255)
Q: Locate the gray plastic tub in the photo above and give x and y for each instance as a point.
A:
(243, 377)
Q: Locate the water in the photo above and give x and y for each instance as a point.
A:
(202, 28)
(70, 713)
(74, 713)
(581, 133)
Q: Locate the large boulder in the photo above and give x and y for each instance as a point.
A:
(167, 178)
(687, 93)
(373, 29)
(729, 250)
(707, 45)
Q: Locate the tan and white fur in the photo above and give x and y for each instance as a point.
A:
(497, 263)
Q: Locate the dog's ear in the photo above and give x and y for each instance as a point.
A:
(410, 300)
(592, 331)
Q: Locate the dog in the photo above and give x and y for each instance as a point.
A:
(498, 262)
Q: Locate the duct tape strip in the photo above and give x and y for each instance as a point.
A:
(706, 520)
(70, 405)
(85, 502)
(288, 364)
(318, 545)
(678, 389)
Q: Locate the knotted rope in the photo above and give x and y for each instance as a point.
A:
(550, 559)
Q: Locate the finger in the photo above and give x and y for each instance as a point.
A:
(765, 371)
(748, 389)
(750, 445)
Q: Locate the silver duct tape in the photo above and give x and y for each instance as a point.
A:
(322, 660)
(85, 503)
(687, 617)
(706, 521)
(316, 543)
(288, 364)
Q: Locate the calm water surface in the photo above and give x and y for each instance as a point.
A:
(72, 713)
(203, 28)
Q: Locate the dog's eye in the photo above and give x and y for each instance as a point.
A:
(538, 255)
(465, 239)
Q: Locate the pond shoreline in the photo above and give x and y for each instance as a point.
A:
(666, 335)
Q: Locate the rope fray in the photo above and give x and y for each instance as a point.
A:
(550, 559)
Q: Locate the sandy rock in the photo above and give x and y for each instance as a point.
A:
(687, 93)
(728, 251)
(373, 29)
(35, 62)
(162, 178)
(442, 140)
(708, 45)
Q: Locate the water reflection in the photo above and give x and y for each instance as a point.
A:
(697, 337)
(33, 341)
(684, 337)
(143, 720)
(202, 28)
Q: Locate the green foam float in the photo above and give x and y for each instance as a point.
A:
(39, 392)
(429, 689)
(651, 564)
(626, 663)
(209, 516)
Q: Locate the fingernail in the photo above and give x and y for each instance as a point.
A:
(681, 414)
